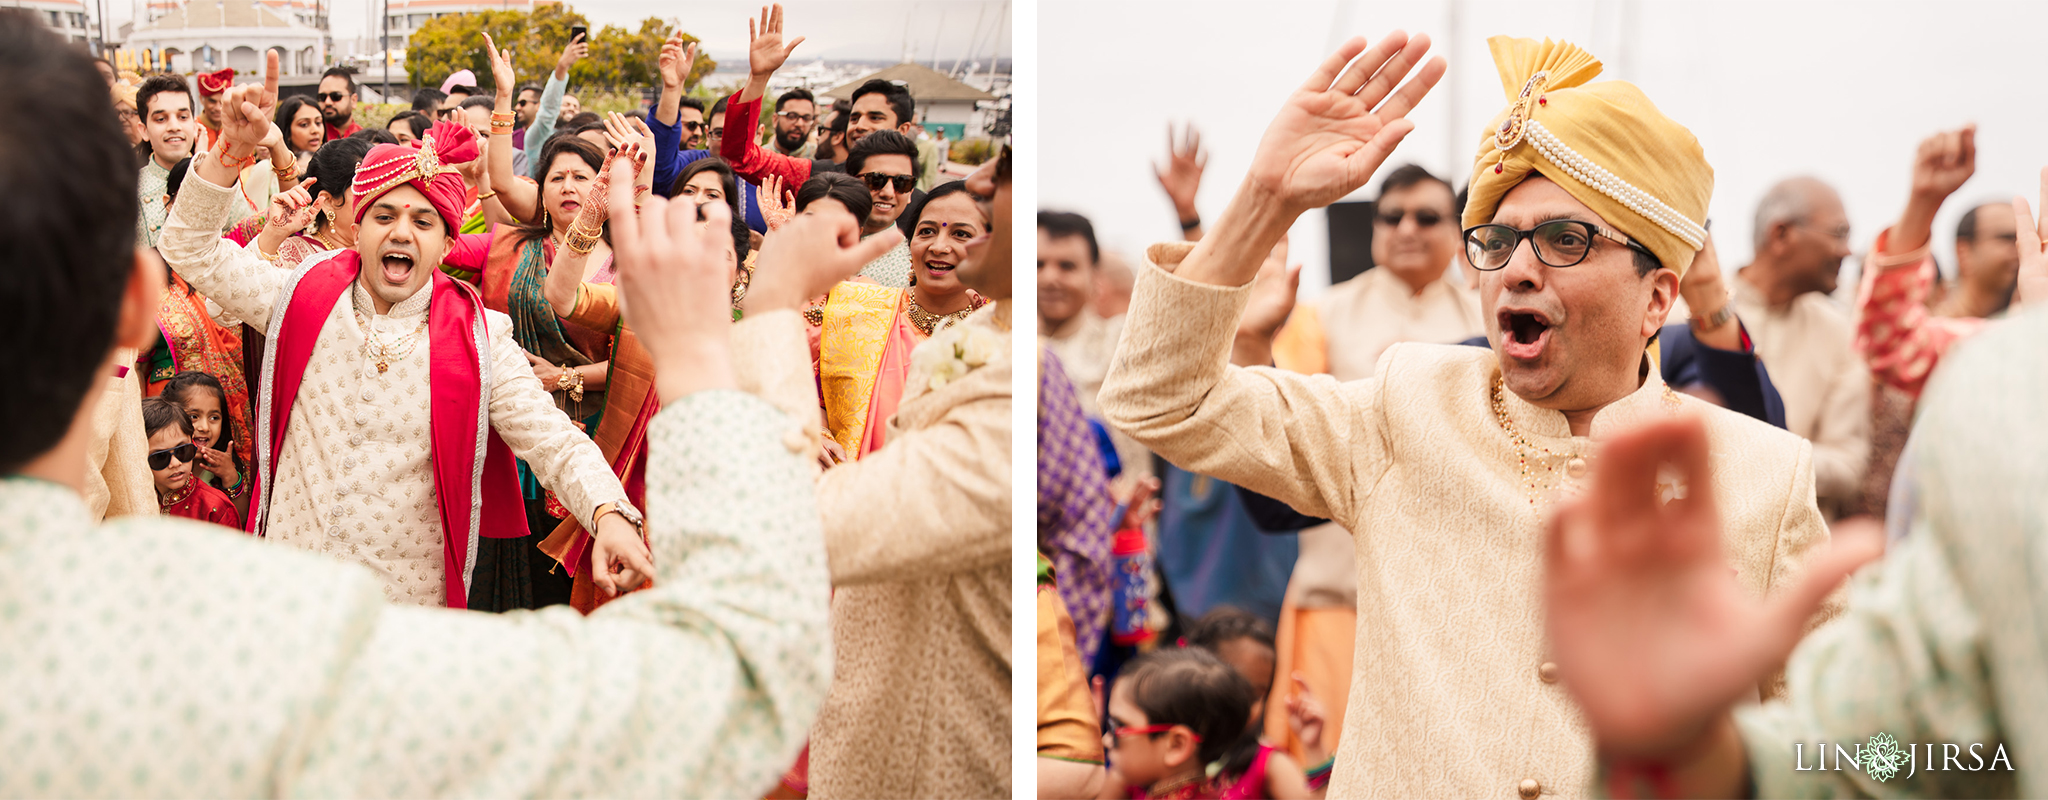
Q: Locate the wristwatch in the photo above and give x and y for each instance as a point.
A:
(626, 510)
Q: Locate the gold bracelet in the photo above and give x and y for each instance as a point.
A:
(578, 244)
(272, 257)
(486, 194)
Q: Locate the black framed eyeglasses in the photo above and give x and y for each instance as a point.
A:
(334, 97)
(1424, 217)
(160, 459)
(791, 116)
(877, 180)
(1558, 243)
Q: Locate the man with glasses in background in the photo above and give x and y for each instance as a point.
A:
(1806, 340)
(796, 115)
(1445, 462)
(337, 96)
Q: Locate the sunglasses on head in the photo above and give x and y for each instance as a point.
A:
(334, 97)
(1424, 218)
(160, 459)
(877, 180)
(445, 113)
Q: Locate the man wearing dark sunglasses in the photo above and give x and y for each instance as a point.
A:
(337, 96)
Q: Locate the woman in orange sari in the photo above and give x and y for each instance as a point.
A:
(198, 336)
(865, 332)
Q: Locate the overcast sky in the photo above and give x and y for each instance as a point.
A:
(1843, 91)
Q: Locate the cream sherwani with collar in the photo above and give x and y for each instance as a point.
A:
(354, 479)
(918, 537)
(1450, 696)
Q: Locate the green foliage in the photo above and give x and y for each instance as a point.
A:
(975, 151)
(618, 59)
(372, 115)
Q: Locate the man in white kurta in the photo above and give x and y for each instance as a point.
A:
(1437, 463)
(354, 479)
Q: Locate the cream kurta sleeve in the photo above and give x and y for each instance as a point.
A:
(565, 459)
(157, 657)
(1306, 440)
(243, 285)
(935, 500)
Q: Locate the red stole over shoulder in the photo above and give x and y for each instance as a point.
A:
(475, 483)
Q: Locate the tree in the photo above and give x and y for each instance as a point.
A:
(618, 58)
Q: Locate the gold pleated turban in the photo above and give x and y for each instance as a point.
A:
(1604, 143)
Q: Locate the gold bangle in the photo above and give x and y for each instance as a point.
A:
(506, 117)
(580, 245)
(272, 257)
(486, 194)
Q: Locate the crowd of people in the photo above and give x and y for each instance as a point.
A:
(1422, 503)
(722, 424)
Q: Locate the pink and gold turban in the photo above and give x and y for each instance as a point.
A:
(426, 167)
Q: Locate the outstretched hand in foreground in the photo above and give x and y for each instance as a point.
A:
(1652, 635)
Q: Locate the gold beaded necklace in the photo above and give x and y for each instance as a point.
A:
(927, 321)
(191, 485)
(1535, 484)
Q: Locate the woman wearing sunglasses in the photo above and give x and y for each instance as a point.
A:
(171, 453)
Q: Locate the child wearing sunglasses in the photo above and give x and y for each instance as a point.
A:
(171, 453)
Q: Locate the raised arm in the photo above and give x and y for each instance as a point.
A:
(243, 284)
(765, 53)
(1327, 140)
(550, 110)
(1182, 178)
(741, 146)
(520, 199)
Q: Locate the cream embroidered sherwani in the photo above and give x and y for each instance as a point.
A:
(918, 537)
(117, 479)
(1449, 696)
(161, 657)
(353, 479)
(1809, 346)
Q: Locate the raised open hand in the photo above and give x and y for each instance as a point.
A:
(503, 78)
(765, 50)
(678, 55)
(776, 206)
(622, 131)
(1337, 129)
(292, 209)
(245, 111)
(2032, 232)
(1944, 162)
(1182, 174)
(1653, 637)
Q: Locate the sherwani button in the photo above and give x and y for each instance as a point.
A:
(1547, 672)
(1575, 468)
(1529, 789)
(366, 395)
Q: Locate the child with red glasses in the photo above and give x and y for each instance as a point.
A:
(171, 453)
(1171, 714)
(1249, 767)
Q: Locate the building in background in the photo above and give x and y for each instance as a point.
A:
(407, 16)
(70, 19)
(207, 35)
(943, 104)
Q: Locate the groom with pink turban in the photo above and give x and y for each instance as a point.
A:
(392, 403)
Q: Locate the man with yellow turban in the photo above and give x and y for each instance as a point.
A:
(1586, 206)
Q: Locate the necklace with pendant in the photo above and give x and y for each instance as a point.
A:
(383, 352)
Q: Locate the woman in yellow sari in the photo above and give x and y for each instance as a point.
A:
(865, 332)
